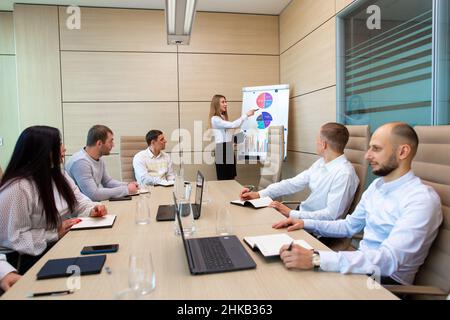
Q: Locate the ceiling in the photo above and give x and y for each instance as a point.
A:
(273, 7)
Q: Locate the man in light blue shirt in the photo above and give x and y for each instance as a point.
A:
(399, 214)
(331, 179)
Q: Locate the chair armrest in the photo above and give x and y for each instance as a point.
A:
(415, 290)
(358, 236)
(290, 202)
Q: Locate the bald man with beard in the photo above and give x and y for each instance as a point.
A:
(399, 214)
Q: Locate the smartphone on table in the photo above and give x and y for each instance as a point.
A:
(104, 248)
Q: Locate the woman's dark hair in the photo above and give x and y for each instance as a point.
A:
(37, 157)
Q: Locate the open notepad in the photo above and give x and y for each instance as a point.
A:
(270, 245)
(166, 183)
(95, 223)
(255, 203)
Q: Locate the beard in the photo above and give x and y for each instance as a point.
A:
(387, 168)
(105, 152)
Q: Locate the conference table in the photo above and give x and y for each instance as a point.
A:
(269, 281)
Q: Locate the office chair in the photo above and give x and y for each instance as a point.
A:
(271, 170)
(129, 146)
(432, 165)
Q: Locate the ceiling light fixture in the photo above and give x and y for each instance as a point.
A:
(179, 20)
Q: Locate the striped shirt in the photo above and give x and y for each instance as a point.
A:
(22, 218)
(152, 170)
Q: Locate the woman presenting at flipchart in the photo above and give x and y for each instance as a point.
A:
(223, 133)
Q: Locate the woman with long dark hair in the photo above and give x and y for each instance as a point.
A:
(37, 198)
(223, 134)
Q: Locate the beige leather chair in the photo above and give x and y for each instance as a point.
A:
(355, 151)
(129, 146)
(271, 171)
(432, 165)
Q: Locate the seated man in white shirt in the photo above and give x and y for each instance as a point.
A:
(152, 166)
(88, 169)
(399, 214)
(8, 275)
(331, 179)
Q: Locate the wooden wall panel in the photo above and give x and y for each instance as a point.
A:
(104, 29)
(6, 33)
(193, 161)
(301, 17)
(115, 76)
(311, 64)
(234, 33)
(9, 113)
(307, 114)
(38, 65)
(341, 4)
(123, 119)
(203, 75)
(191, 112)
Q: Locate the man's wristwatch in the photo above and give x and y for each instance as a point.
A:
(315, 259)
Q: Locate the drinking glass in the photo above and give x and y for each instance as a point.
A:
(141, 273)
(142, 210)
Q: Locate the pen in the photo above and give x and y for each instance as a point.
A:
(50, 293)
(290, 246)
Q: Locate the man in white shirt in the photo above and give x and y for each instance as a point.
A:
(88, 169)
(399, 214)
(152, 166)
(8, 275)
(331, 179)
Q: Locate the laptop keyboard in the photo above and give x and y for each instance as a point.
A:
(214, 254)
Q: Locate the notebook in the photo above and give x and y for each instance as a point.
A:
(166, 183)
(255, 203)
(269, 245)
(95, 223)
(143, 191)
(58, 268)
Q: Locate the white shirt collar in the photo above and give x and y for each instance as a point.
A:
(330, 166)
(152, 156)
(387, 187)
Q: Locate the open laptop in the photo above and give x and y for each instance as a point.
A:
(167, 212)
(214, 254)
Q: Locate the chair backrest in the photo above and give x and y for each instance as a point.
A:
(432, 165)
(355, 151)
(129, 146)
(271, 171)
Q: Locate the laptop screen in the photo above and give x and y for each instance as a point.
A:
(199, 188)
